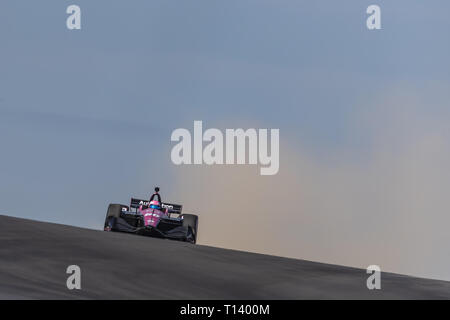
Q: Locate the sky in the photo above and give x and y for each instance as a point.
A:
(86, 117)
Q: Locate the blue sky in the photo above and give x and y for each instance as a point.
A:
(86, 116)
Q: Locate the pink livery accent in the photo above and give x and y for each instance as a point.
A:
(152, 216)
(155, 203)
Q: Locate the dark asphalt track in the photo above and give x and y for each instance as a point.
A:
(34, 257)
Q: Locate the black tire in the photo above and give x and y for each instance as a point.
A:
(112, 214)
(191, 222)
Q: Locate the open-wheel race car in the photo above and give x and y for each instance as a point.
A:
(152, 218)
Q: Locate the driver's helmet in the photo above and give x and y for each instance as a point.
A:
(155, 204)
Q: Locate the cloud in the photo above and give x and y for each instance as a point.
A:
(388, 207)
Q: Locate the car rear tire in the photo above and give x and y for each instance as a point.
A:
(112, 215)
(191, 222)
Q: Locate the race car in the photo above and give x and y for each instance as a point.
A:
(152, 218)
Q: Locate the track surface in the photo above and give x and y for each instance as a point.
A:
(34, 257)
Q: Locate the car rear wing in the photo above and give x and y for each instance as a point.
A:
(171, 207)
(136, 203)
